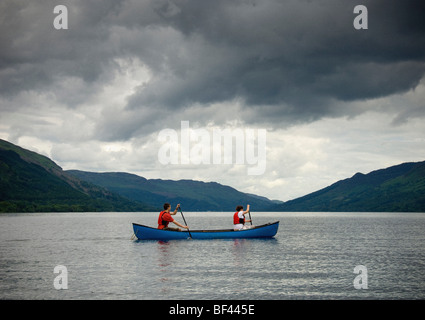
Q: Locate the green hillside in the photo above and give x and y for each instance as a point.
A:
(30, 182)
(193, 195)
(399, 188)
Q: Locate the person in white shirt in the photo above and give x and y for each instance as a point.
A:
(239, 218)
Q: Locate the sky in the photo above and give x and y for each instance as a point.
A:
(333, 100)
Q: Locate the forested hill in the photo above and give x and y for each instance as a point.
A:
(398, 188)
(192, 195)
(30, 182)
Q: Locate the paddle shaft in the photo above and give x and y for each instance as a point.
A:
(185, 221)
(250, 219)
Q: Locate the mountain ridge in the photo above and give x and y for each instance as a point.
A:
(397, 188)
(192, 194)
(30, 182)
(33, 182)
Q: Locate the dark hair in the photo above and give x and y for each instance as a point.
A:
(166, 206)
(239, 208)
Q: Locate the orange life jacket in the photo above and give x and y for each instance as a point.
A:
(162, 223)
(237, 220)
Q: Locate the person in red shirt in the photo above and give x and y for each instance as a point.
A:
(239, 218)
(165, 218)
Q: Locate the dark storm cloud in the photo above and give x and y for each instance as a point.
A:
(34, 55)
(293, 56)
(287, 61)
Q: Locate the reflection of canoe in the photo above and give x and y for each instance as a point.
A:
(147, 233)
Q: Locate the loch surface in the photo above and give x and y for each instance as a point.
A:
(313, 256)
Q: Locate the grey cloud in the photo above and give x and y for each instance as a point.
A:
(34, 55)
(293, 53)
(287, 61)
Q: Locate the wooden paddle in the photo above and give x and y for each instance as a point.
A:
(250, 219)
(185, 222)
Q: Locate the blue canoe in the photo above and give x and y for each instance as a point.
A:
(268, 230)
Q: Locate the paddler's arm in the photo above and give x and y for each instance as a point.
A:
(175, 210)
(180, 225)
(245, 212)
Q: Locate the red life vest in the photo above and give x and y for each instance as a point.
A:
(162, 223)
(237, 220)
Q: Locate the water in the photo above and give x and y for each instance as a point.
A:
(312, 257)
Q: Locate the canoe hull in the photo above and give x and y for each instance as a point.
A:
(148, 233)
